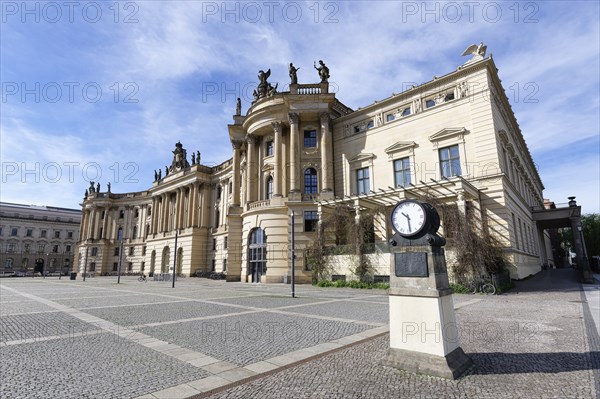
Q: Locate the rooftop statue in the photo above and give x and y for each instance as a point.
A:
(293, 74)
(238, 111)
(478, 52)
(179, 158)
(323, 71)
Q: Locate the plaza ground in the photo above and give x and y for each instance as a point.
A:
(204, 338)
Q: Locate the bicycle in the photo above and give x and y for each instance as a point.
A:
(142, 278)
(484, 285)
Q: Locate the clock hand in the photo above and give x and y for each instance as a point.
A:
(408, 220)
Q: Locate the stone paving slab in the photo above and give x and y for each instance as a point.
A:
(268, 302)
(370, 312)
(39, 325)
(245, 339)
(103, 365)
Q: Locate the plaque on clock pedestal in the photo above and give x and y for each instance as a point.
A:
(423, 332)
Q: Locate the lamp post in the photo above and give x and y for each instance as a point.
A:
(293, 257)
(175, 259)
(120, 238)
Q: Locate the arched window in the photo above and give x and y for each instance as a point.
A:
(120, 234)
(310, 181)
(257, 254)
(269, 187)
(179, 260)
(165, 260)
(152, 261)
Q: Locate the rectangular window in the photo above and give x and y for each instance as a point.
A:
(57, 234)
(130, 266)
(311, 219)
(225, 243)
(43, 234)
(68, 248)
(450, 161)
(115, 266)
(41, 248)
(93, 267)
(94, 251)
(402, 172)
(363, 183)
(27, 248)
(269, 148)
(55, 249)
(131, 251)
(117, 251)
(214, 247)
(14, 231)
(121, 214)
(137, 212)
(310, 138)
(311, 185)
(214, 265)
(29, 232)
(143, 251)
(11, 247)
(224, 265)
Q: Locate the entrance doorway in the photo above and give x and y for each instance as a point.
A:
(257, 254)
(39, 266)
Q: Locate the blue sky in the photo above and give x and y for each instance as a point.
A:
(103, 90)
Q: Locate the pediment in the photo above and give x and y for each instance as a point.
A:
(400, 146)
(363, 156)
(448, 133)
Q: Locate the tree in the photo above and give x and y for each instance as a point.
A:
(591, 233)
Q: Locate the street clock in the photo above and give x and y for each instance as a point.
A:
(413, 219)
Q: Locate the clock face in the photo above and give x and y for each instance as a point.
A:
(409, 218)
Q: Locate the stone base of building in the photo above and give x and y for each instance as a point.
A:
(451, 366)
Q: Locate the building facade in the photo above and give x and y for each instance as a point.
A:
(303, 151)
(37, 239)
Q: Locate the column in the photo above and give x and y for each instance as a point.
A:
(236, 172)
(92, 224)
(277, 166)
(154, 210)
(105, 222)
(326, 155)
(205, 201)
(294, 158)
(165, 212)
(251, 169)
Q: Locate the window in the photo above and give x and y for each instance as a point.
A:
(134, 233)
(225, 243)
(269, 187)
(450, 161)
(257, 254)
(130, 266)
(406, 111)
(0, 231)
(310, 181)
(55, 249)
(94, 251)
(121, 214)
(363, 184)
(390, 117)
(8, 263)
(310, 138)
(103, 215)
(131, 251)
(29, 232)
(429, 103)
(224, 265)
(402, 172)
(143, 251)
(93, 267)
(43, 234)
(137, 212)
(269, 149)
(149, 211)
(26, 248)
(57, 234)
(11, 248)
(143, 266)
(370, 125)
(68, 248)
(230, 187)
(14, 231)
(219, 189)
(214, 247)
(116, 251)
(70, 234)
(449, 97)
(311, 219)
(24, 263)
(115, 266)
(41, 247)
(214, 265)
(217, 218)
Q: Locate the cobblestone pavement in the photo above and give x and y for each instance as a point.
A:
(97, 339)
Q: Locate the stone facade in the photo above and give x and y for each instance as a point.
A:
(37, 239)
(304, 151)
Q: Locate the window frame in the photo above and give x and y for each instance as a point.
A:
(360, 180)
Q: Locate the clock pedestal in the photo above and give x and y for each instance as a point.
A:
(424, 337)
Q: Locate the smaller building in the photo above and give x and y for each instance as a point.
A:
(37, 239)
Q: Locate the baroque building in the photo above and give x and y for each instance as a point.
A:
(304, 151)
(37, 239)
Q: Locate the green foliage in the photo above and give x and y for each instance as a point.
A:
(352, 284)
(591, 233)
(459, 288)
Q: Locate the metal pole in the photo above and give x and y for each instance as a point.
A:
(85, 263)
(293, 257)
(120, 257)
(175, 260)
(44, 268)
(62, 258)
